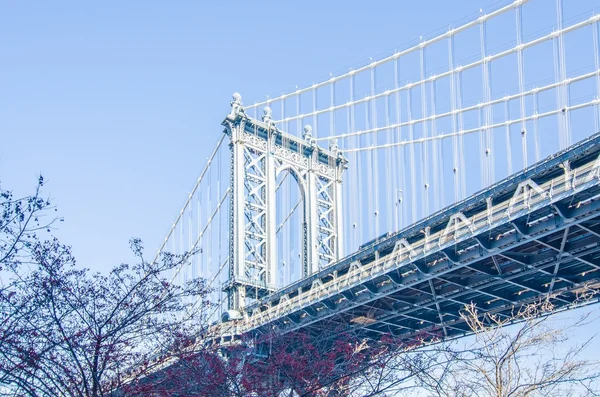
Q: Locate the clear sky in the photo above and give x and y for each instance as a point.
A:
(118, 103)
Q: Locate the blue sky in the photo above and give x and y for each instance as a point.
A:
(118, 104)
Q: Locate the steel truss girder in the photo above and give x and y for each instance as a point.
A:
(541, 229)
(463, 289)
(459, 292)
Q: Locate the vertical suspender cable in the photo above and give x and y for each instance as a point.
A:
(315, 120)
(367, 170)
(508, 141)
(349, 184)
(425, 144)
(287, 123)
(200, 257)
(441, 173)
(181, 249)
(299, 119)
(487, 169)
(220, 234)
(565, 86)
(190, 267)
(482, 157)
(412, 169)
(375, 158)
(209, 247)
(461, 152)
(331, 106)
(596, 33)
(389, 165)
(288, 239)
(173, 232)
(490, 118)
(286, 243)
(401, 165)
(332, 118)
(439, 145)
(357, 198)
(437, 189)
(560, 76)
(559, 120)
(182, 235)
(484, 165)
(519, 26)
(196, 258)
(453, 100)
(284, 126)
(280, 208)
(536, 133)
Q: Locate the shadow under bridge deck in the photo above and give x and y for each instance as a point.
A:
(533, 234)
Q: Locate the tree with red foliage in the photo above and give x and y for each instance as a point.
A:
(132, 332)
(67, 332)
(293, 364)
(335, 363)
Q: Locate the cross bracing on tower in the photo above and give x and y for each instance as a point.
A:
(260, 152)
(421, 129)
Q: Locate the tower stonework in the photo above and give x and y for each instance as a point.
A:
(260, 152)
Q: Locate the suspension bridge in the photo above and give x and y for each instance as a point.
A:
(462, 169)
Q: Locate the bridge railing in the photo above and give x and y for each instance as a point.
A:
(528, 196)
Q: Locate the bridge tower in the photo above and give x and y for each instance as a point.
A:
(260, 152)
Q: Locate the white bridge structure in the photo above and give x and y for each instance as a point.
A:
(463, 168)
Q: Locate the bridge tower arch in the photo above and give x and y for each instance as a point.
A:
(292, 209)
(260, 152)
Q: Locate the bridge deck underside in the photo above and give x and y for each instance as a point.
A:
(559, 259)
(496, 282)
(549, 250)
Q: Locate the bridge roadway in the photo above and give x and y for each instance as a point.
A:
(534, 233)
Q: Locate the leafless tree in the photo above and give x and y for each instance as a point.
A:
(67, 332)
(518, 355)
(22, 219)
(132, 332)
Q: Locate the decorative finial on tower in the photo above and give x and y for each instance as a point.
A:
(237, 107)
(266, 117)
(267, 113)
(307, 132)
(307, 135)
(333, 146)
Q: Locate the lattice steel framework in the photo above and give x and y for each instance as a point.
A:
(534, 234)
(260, 152)
(423, 128)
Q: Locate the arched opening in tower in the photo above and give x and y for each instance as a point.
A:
(290, 227)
